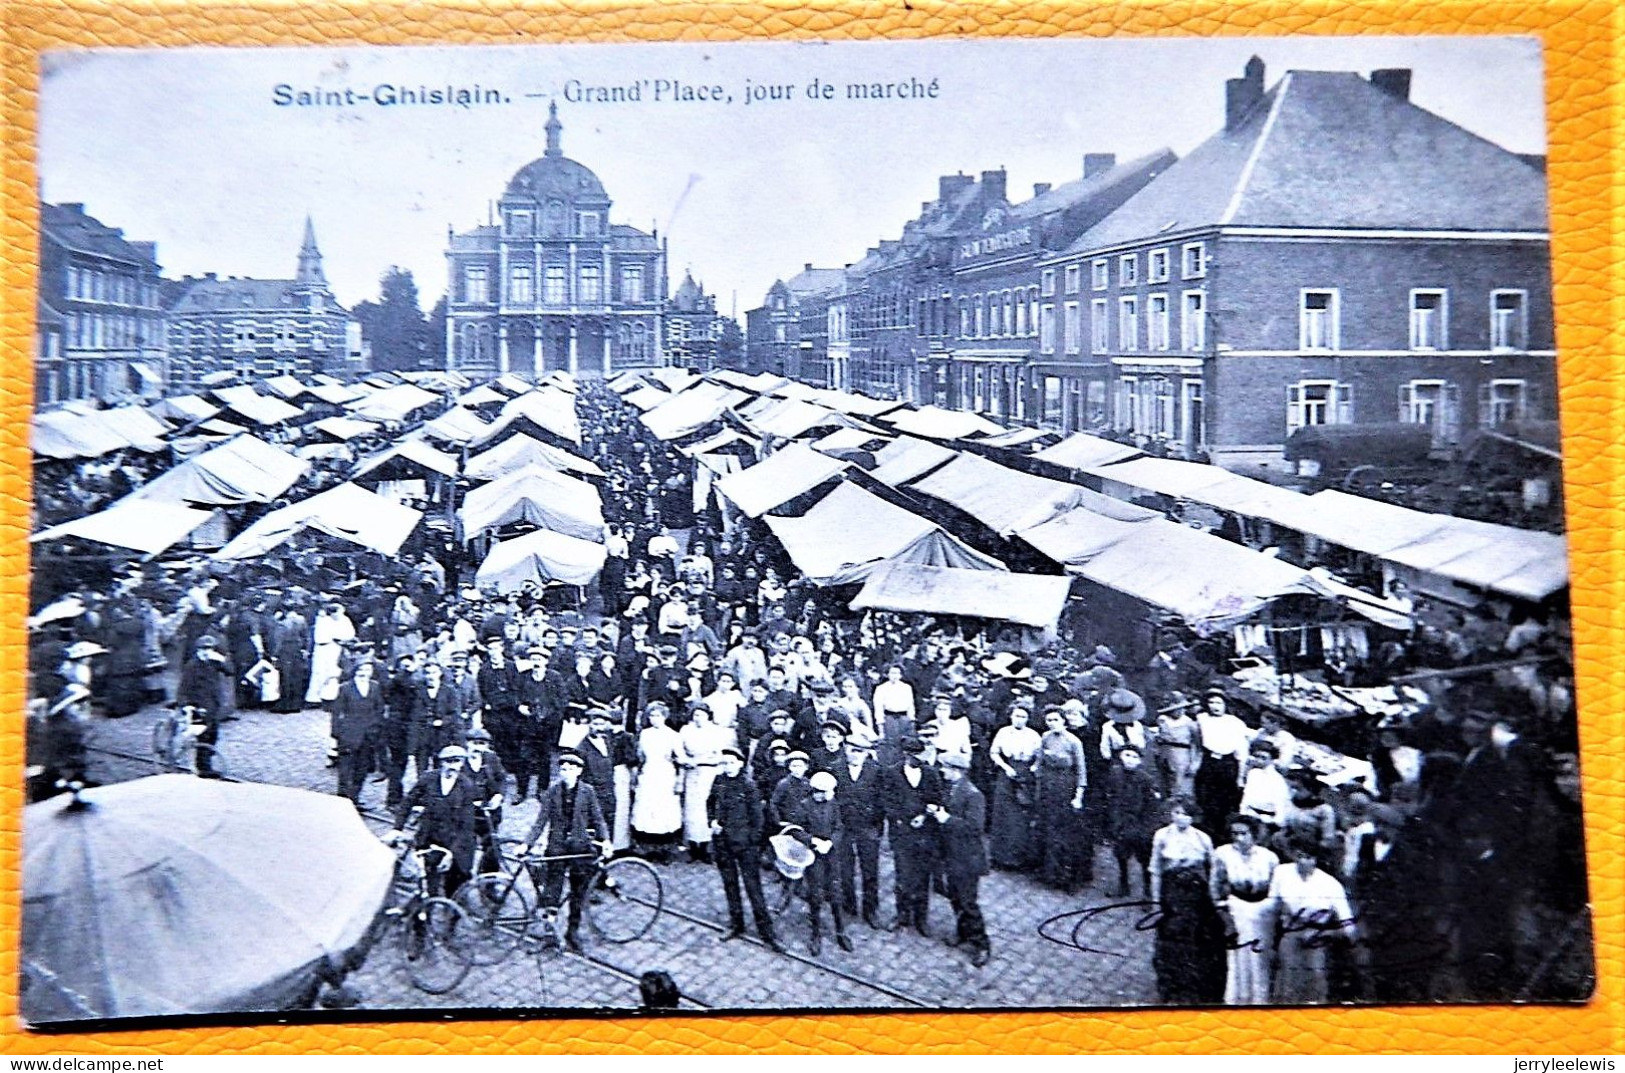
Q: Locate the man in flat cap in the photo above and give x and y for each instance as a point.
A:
(446, 801)
(961, 820)
(907, 791)
(569, 823)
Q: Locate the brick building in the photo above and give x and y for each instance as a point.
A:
(1014, 352)
(693, 327)
(101, 325)
(552, 283)
(773, 329)
(1335, 254)
(260, 328)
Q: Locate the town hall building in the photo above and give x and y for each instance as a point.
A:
(552, 284)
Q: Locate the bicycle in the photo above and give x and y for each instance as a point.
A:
(177, 750)
(625, 897)
(433, 934)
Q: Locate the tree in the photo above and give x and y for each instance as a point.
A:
(731, 347)
(435, 347)
(394, 325)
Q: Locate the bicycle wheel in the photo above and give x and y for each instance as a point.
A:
(625, 899)
(498, 913)
(435, 938)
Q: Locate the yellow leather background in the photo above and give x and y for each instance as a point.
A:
(1582, 42)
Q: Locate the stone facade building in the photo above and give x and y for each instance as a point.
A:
(552, 283)
(693, 327)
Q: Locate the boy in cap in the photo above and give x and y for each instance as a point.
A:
(571, 821)
(790, 792)
(735, 809)
(819, 818)
(830, 755)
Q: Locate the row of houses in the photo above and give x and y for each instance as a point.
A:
(110, 326)
(1334, 254)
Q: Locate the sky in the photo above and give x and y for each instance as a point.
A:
(190, 147)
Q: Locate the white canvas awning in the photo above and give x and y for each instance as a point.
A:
(849, 532)
(848, 439)
(484, 395)
(539, 496)
(540, 556)
(791, 418)
(673, 379)
(148, 528)
(456, 425)
(1080, 534)
(241, 470)
(548, 410)
(346, 511)
(63, 434)
(393, 403)
(1515, 562)
(906, 458)
(186, 408)
(935, 423)
(689, 412)
(285, 387)
(645, 398)
(1034, 600)
(781, 477)
(260, 409)
(335, 394)
(519, 451)
(416, 452)
(1081, 450)
(1366, 525)
(1007, 500)
(1206, 580)
(344, 428)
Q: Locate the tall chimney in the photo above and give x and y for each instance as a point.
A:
(1394, 81)
(1040, 189)
(993, 184)
(807, 266)
(949, 185)
(1241, 94)
(1096, 163)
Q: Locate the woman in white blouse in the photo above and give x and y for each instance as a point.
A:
(1222, 741)
(1311, 912)
(1242, 873)
(1189, 953)
(1014, 753)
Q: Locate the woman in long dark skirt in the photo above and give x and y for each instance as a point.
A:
(1189, 958)
(1014, 752)
(1062, 780)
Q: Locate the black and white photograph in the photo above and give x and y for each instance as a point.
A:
(829, 526)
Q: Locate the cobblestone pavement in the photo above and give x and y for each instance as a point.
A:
(1089, 959)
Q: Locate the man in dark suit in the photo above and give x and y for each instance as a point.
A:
(961, 819)
(819, 818)
(572, 822)
(538, 725)
(489, 780)
(499, 688)
(357, 717)
(735, 809)
(863, 815)
(439, 722)
(447, 818)
(907, 790)
(204, 680)
(401, 726)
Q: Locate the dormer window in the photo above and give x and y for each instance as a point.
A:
(553, 219)
(518, 222)
(587, 224)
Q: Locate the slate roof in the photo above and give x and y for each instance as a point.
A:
(85, 234)
(216, 295)
(1328, 149)
(815, 281)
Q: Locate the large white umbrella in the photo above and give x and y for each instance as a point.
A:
(178, 895)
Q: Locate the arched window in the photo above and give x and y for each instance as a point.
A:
(640, 342)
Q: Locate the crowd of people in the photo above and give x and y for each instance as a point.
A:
(702, 703)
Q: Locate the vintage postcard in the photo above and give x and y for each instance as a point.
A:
(760, 526)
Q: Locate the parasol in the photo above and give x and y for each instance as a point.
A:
(177, 895)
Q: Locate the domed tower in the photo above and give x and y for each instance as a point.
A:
(550, 283)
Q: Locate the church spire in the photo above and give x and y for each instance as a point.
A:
(554, 127)
(310, 259)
